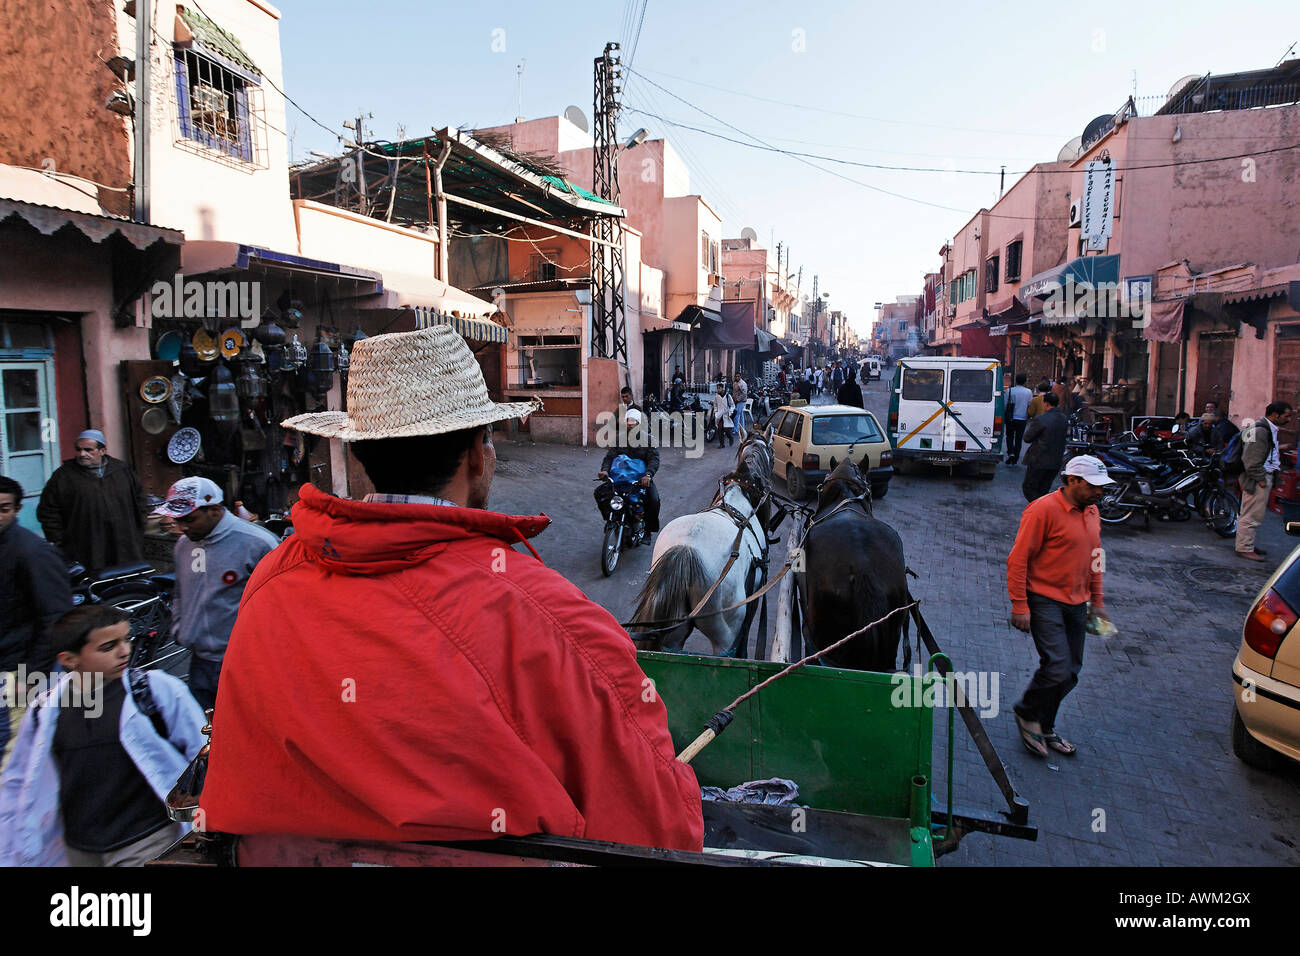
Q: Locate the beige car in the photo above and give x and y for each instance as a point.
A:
(1266, 672)
(806, 437)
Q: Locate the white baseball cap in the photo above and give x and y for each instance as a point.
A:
(188, 495)
(1090, 469)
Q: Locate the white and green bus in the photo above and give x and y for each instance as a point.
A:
(948, 411)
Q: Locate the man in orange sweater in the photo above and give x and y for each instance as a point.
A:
(1054, 569)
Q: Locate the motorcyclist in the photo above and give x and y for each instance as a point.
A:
(636, 445)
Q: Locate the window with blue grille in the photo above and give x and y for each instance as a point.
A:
(213, 105)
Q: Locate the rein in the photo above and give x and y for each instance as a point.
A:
(742, 522)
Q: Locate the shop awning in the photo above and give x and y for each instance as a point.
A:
(1165, 321)
(1011, 326)
(1086, 269)
(205, 256)
(50, 219)
(434, 302)
(478, 330)
(734, 331)
(697, 317)
(766, 345)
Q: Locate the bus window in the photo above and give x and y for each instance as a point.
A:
(923, 385)
(971, 385)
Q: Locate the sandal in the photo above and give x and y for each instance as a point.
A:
(1061, 746)
(1030, 739)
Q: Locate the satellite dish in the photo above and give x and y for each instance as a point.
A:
(577, 118)
(748, 233)
(1070, 151)
(1178, 87)
(1097, 128)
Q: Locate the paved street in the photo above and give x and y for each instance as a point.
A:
(1150, 715)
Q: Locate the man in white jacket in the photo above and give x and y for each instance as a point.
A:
(97, 753)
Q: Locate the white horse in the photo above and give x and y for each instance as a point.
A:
(693, 550)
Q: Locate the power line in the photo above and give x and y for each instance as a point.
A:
(977, 172)
(818, 109)
(697, 168)
(801, 157)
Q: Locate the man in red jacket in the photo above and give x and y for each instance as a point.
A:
(1053, 571)
(398, 672)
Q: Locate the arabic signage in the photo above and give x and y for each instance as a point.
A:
(1098, 195)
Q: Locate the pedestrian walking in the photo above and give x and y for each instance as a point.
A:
(1053, 571)
(1037, 405)
(723, 410)
(215, 556)
(1260, 462)
(1046, 437)
(443, 685)
(1017, 414)
(92, 508)
(850, 393)
(34, 593)
(96, 753)
(740, 399)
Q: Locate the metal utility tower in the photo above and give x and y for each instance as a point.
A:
(608, 315)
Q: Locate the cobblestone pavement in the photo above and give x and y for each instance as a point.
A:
(1150, 715)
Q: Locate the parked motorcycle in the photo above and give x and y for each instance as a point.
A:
(1162, 479)
(625, 526)
(146, 595)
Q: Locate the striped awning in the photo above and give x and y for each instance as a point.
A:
(477, 330)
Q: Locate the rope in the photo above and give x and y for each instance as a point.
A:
(724, 716)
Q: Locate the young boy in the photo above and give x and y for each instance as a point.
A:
(86, 782)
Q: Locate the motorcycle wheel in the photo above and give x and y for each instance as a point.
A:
(1222, 506)
(610, 548)
(1112, 512)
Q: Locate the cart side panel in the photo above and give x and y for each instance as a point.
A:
(851, 740)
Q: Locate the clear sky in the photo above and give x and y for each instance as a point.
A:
(946, 86)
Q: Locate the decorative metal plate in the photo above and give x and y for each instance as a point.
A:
(184, 445)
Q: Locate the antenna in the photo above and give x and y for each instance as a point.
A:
(519, 91)
(1070, 151)
(1284, 55)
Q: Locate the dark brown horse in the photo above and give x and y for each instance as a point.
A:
(854, 573)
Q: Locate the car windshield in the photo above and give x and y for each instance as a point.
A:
(845, 430)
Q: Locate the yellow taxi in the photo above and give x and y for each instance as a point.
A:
(1266, 672)
(806, 437)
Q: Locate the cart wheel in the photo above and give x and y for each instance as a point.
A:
(795, 482)
(609, 551)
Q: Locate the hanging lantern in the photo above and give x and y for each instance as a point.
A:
(251, 384)
(293, 314)
(268, 333)
(223, 399)
(344, 357)
(356, 336)
(295, 355)
(322, 358)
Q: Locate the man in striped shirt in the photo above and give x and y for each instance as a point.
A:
(1053, 571)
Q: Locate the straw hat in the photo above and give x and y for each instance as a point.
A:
(411, 383)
